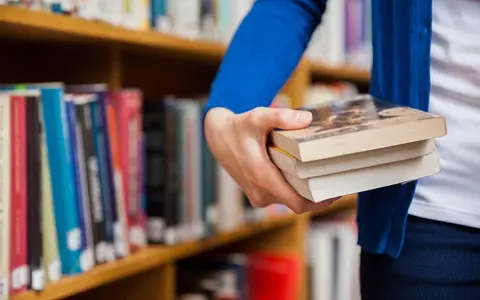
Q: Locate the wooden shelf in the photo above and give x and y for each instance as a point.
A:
(347, 73)
(155, 256)
(20, 23)
(24, 24)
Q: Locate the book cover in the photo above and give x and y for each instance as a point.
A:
(356, 124)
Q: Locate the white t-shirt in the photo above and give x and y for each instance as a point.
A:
(453, 195)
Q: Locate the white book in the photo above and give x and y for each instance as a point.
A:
(325, 187)
(293, 166)
(5, 194)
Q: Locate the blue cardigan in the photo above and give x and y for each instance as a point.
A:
(270, 42)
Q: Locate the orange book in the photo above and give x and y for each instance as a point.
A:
(121, 233)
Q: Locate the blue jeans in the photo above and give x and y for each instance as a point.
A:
(439, 261)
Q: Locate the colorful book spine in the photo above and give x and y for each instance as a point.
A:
(61, 165)
(34, 200)
(18, 216)
(122, 229)
(128, 104)
(100, 150)
(5, 193)
(87, 259)
(51, 259)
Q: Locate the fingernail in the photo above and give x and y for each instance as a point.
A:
(303, 117)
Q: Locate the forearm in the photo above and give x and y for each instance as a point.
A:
(263, 53)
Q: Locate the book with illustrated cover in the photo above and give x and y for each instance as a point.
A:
(357, 124)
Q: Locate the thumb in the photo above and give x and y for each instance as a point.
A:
(267, 119)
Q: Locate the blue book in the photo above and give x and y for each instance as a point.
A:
(86, 261)
(158, 16)
(58, 140)
(101, 150)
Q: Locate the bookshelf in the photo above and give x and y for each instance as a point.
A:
(47, 47)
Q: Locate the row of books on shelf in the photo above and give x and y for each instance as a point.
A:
(213, 20)
(333, 258)
(91, 175)
(344, 36)
(240, 276)
(332, 264)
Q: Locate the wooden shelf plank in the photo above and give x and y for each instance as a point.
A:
(347, 73)
(21, 23)
(24, 24)
(155, 256)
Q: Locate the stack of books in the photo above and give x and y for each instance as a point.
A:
(357, 144)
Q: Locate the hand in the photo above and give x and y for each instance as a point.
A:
(238, 142)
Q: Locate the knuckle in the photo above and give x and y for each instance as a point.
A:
(256, 116)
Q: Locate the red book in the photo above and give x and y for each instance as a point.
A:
(18, 229)
(273, 276)
(128, 105)
(123, 247)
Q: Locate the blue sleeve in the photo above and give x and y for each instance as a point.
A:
(264, 52)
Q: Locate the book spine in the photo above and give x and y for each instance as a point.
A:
(134, 159)
(122, 246)
(100, 150)
(182, 169)
(61, 164)
(128, 104)
(35, 253)
(103, 104)
(154, 127)
(89, 165)
(87, 258)
(143, 195)
(18, 216)
(92, 178)
(172, 176)
(5, 160)
(51, 260)
(208, 184)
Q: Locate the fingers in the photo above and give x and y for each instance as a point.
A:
(283, 192)
(266, 119)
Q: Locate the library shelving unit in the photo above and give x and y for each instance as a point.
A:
(38, 46)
